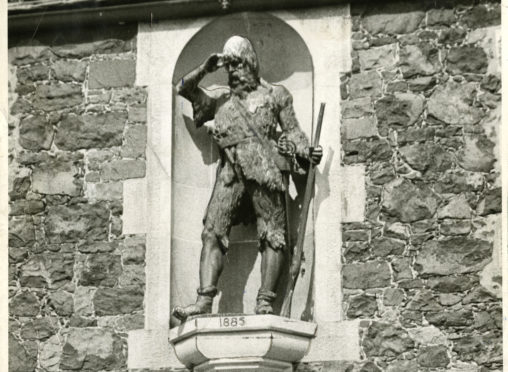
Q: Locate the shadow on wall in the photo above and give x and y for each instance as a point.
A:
(75, 35)
(284, 59)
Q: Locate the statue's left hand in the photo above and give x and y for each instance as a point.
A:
(282, 144)
(315, 154)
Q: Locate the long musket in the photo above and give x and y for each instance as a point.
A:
(296, 261)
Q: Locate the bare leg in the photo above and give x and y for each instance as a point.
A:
(212, 261)
(210, 268)
(223, 204)
(271, 265)
(271, 222)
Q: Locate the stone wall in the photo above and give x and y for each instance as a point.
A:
(77, 130)
(422, 114)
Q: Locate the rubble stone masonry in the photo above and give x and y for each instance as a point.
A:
(421, 112)
(77, 131)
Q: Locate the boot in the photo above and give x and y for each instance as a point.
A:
(203, 304)
(264, 302)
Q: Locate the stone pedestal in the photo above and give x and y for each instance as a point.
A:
(241, 342)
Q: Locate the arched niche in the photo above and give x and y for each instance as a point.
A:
(284, 59)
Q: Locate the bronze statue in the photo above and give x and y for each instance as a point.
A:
(252, 166)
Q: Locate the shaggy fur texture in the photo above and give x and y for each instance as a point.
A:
(248, 177)
(233, 200)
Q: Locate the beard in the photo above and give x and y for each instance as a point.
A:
(242, 83)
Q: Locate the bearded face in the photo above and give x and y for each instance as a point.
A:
(241, 76)
(241, 64)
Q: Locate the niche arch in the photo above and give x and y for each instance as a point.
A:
(284, 59)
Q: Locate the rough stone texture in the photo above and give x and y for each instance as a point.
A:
(433, 357)
(83, 304)
(457, 207)
(65, 244)
(21, 232)
(466, 60)
(383, 56)
(408, 202)
(384, 246)
(35, 133)
(112, 301)
(49, 269)
(432, 180)
(451, 284)
(422, 59)
(123, 169)
(398, 111)
(24, 304)
(104, 191)
(50, 354)
(39, 328)
(62, 302)
(101, 270)
(358, 128)
(386, 340)
(453, 256)
(133, 251)
(57, 96)
(91, 131)
(393, 297)
(93, 349)
(85, 49)
(69, 70)
(368, 275)
(440, 17)
(457, 318)
(78, 221)
(134, 143)
(22, 356)
(402, 366)
(97, 247)
(362, 307)
(426, 157)
(367, 84)
(23, 55)
(112, 73)
(477, 155)
(481, 16)
(428, 335)
(57, 177)
(137, 113)
(393, 18)
(452, 104)
(490, 203)
(357, 108)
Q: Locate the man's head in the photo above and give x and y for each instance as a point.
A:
(241, 63)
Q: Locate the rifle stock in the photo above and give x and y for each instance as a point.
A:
(296, 261)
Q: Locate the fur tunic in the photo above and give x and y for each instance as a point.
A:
(245, 129)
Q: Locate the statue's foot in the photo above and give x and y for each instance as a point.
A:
(263, 308)
(182, 313)
(264, 302)
(203, 304)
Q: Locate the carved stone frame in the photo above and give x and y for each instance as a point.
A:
(147, 202)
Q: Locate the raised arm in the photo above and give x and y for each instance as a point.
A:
(188, 86)
(203, 102)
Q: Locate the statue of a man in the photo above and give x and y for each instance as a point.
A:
(251, 166)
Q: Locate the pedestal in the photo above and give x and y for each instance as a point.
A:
(241, 342)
